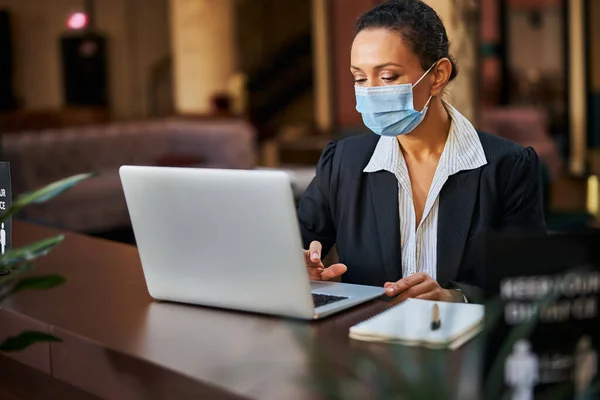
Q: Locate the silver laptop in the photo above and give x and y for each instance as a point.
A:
(227, 239)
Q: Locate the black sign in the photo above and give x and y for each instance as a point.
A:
(5, 203)
(543, 311)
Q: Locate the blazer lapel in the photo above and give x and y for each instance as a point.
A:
(384, 192)
(457, 202)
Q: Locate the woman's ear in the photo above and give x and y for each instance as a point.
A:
(442, 72)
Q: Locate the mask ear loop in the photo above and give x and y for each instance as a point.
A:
(420, 79)
(425, 74)
(427, 104)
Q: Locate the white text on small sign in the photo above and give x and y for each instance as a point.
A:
(2, 203)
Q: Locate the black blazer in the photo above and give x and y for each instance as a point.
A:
(358, 212)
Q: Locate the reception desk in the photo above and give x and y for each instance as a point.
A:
(118, 343)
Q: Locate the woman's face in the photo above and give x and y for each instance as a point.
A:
(380, 57)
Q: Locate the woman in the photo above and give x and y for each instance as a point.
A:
(405, 205)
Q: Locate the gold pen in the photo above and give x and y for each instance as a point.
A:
(435, 318)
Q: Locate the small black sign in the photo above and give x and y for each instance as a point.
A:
(5, 203)
(543, 310)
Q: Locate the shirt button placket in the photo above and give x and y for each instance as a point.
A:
(412, 256)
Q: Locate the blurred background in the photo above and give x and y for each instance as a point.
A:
(95, 84)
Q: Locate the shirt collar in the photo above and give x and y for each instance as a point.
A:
(463, 150)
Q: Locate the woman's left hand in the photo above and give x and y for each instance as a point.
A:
(417, 286)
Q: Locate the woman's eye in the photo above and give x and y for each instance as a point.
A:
(389, 78)
(360, 80)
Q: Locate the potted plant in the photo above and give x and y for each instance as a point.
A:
(15, 262)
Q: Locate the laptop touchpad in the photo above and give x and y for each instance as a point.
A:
(315, 285)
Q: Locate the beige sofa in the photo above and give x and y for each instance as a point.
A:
(38, 158)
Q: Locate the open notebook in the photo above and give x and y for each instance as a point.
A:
(409, 323)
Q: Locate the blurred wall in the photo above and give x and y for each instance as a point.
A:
(531, 4)
(138, 36)
(322, 57)
(540, 46)
(204, 51)
(490, 62)
(461, 20)
(343, 15)
(149, 44)
(594, 24)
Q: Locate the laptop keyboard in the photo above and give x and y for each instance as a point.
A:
(323, 299)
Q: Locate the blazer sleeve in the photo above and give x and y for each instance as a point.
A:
(315, 211)
(523, 203)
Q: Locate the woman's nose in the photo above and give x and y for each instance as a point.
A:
(372, 82)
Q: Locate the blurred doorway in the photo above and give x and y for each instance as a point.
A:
(524, 75)
(593, 66)
(276, 57)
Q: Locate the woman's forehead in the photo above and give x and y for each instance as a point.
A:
(374, 47)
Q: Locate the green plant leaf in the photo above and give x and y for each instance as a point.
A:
(38, 283)
(44, 194)
(557, 392)
(26, 339)
(12, 286)
(19, 261)
(7, 282)
(16, 271)
(29, 252)
(494, 310)
(52, 190)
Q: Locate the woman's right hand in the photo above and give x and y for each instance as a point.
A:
(315, 267)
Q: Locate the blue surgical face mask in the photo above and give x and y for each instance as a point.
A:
(389, 110)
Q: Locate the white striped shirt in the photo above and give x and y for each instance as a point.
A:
(462, 151)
